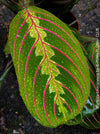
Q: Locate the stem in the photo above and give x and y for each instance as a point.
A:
(7, 5)
(86, 12)
(87, 38)
(7, 69)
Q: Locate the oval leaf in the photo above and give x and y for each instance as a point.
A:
(52, 71)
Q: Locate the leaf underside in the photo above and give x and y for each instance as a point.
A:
(52, 71)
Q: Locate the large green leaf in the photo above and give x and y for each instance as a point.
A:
(52, 71)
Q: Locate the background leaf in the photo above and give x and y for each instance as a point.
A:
(92, 121)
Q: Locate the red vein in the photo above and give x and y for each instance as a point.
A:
(90, 122)
(55, 107)
(39, 13)
(92, 102)
(85, 123)
(17, 35)
(44, 101)
(82, 47)
(95, 89)
(97, 114)
(92, 72)
(86, 107)
(89, 63)
(96, 119)
(19, 63)
(93, 52)
(34, 88)
(64, 42)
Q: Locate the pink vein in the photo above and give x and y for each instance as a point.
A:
(44, 101)
(21, 48)
(72, 63)
(19, 19)
(26, 71)
(17, 35)
(19, 63)
(64, 42)
(34, 88)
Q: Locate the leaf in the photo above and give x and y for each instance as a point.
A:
(4, 75)
(52, 71)
(94, 52)
(7, 49)
(92, 121)
(94, 57)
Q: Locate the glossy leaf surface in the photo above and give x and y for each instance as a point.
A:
(52, 71)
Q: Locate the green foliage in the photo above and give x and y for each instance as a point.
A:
(52, 71)
(7, 49)
(94, 52)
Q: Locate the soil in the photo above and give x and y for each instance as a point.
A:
(14, 117)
